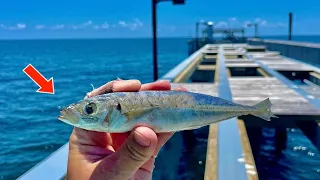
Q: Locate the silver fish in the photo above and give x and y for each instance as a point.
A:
(163, 111)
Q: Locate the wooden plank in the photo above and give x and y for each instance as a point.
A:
(247, 152)
(313, 91)
(242, 65)
(314, 74)
(206, 67)
(238, 60)
(209, 57)
(231, 56)
(289, 68)
(234, 53)
(211, 169)
(216, 75)
(187, 72)
(204, 88)
(285, 64)
(285, 101)
(261, 71)
(263, 54)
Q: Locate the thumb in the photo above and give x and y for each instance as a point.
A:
(136, 151)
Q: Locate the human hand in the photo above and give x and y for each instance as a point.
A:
(116, 156)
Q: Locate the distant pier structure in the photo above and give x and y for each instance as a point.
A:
(212, 35)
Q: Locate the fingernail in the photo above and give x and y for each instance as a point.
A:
(140, 139)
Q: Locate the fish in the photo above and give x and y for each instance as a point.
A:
(162, 111)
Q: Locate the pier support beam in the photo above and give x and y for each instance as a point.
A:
(280, 140)
(255, 138)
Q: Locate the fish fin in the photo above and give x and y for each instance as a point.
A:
(92, 87)
(192, 128)
(264, 110)
(137, 113)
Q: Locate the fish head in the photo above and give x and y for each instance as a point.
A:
(89, 114)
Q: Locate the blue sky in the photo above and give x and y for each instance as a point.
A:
(132, 18)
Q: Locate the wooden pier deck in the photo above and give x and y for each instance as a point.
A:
(251, 74)
(247, 75)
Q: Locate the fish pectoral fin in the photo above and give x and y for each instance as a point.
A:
(137, 113)
(192, 127)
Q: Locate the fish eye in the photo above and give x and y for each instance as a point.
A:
(119, 107)
(90, 108)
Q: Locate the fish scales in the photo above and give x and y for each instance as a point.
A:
(163, 111)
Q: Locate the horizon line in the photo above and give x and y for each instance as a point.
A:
(145, 37)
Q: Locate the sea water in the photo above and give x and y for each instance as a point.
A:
(30, 130)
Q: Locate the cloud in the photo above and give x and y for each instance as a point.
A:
(102, 26)
(58, 26)
(221, 24)
(105, 26)
(2, 26)
(40, 27)
(233, 22)
(88, 23)
(131, 25)
(264, 23)
(166, 28)
(136, 23)
(84, 25)
(123, 24)
(280, 24)
(19, 26)
(257, 20)
(246, 23)
(233, 19)
(261, 22)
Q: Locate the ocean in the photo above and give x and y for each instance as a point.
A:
(30, 130)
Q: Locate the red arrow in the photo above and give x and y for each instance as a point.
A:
(46, 86)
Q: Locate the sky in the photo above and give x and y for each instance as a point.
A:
(23, 19)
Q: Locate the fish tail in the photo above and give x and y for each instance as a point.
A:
(264, 110)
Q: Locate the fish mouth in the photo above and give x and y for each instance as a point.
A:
(61, 118)
(69, 116)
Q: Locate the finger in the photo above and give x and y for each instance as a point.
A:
(162, 139)
(180, 88)
(106, 88)
(126, 86)
(158, 85)
(119, 139)
(116, 86)
(82, 137)
(136, 151)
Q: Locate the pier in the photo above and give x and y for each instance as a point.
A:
(245, 74)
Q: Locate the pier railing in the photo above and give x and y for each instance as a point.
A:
(305, 51)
